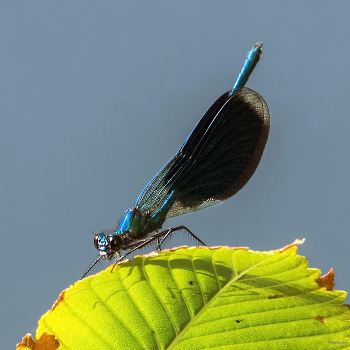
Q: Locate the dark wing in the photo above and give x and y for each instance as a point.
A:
(217, 159)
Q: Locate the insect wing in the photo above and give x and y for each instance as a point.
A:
(223, 157)
(217, 159)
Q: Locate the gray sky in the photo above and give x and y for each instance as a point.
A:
(97, 96)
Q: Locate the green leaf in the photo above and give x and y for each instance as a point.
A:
(202, 298)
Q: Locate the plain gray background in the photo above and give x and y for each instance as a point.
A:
(97, 96)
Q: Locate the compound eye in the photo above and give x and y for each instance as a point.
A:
(96, 241)
(115, 243)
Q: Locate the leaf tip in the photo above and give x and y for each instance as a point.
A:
(45, 342)
(327, 280)
(291, 245)
(59, 299)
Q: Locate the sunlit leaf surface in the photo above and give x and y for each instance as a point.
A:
(202, 298)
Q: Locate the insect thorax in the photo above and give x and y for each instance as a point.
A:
(138, 224)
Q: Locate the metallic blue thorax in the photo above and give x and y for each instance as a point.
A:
(137, 223)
